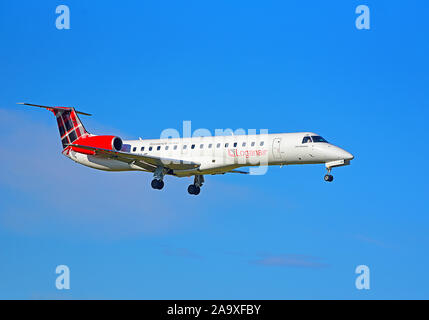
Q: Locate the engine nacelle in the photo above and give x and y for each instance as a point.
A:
(103, 142)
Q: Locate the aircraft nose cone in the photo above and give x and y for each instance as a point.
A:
(333, 153)
(347, 155)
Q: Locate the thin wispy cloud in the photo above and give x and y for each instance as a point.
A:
(371, 240)
(53, 194)
(181, 252)
(289, 260)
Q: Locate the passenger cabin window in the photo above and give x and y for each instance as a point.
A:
(193, 146)
(244, 144)
(142, 149)
(306, 140)
(210, 146)
(166, 147)
(253, 144)
(134, 149)
(150, 148)
(184, 146)
(218, 145)
(235, 144)
(175, 148)
(201, 146)
(318, 139)
(262, 143)
(158, 148)
(226, 145)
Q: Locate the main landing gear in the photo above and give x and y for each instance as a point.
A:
(158, 176)
(196, 187)
(328, 177)
(157, 184)
(158, 181)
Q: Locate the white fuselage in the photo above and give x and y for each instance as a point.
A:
(219, 154)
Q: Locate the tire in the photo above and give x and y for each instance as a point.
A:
(154, 184)
(193, 189)
(160, 184)
(197, 191)
(328, 178)
(157, 184)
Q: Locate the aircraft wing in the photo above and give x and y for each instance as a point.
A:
(238, 171)
(147, 162)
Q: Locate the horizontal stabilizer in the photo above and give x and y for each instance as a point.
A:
(53, 108)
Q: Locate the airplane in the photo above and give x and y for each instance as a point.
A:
(195, 156)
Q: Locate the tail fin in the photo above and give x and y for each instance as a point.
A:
(69, 124)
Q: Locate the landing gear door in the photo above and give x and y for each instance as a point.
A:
(277, 154)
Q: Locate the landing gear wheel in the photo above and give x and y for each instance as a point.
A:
(157, 184)
(197, 191)
(329, 178)
(193, 189)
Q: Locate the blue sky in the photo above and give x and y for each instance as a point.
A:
(145, 66)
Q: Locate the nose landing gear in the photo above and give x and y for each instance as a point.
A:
(328, 177)
(196, 187)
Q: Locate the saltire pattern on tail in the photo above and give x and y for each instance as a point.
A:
(69, 124)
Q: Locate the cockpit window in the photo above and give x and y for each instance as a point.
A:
(306, 140)
(319, 139)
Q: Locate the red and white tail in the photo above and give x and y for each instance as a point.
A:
(69, 124)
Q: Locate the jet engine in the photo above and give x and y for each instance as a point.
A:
(102, 142)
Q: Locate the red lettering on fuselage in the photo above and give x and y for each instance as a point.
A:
(235, 153)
